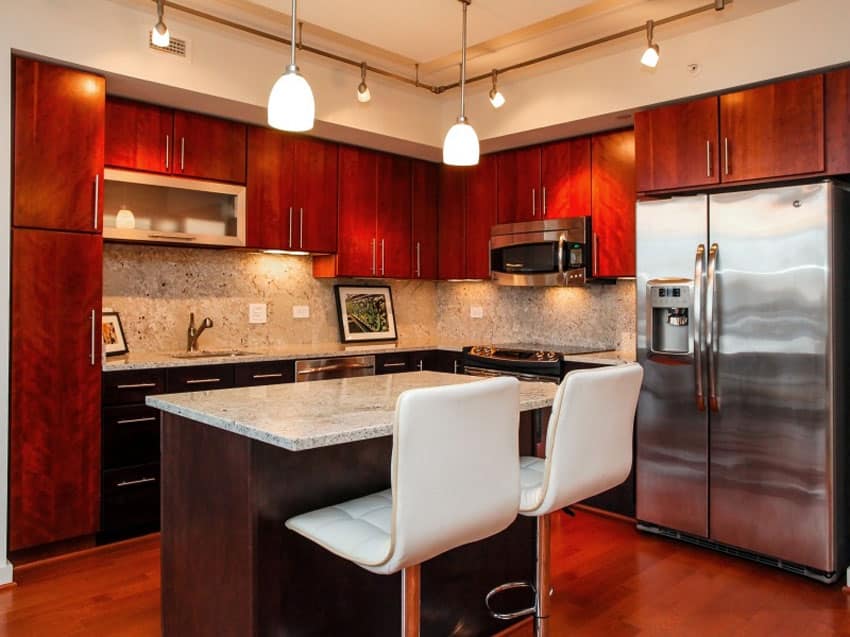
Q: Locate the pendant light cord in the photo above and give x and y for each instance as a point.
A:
(463, 64)
(292, 48)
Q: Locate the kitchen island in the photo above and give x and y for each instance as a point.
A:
(236, 463)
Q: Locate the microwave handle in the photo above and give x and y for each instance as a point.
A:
(561, 241)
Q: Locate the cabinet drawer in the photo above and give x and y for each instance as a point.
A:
(127, 388)
(391, 363)
(200, 378)
(424, 361)
(264, 373)
(130, 499)
(130, 436)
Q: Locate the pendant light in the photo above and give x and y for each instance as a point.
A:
(291, 103)
(363, 92)
(160, 35)
(460, 146)
(653, 51)
(496, 97)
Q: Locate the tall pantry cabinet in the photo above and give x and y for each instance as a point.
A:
(55, 387)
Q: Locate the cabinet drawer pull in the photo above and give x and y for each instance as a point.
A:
(395, 364)
(259, 376)
(132, 421)
(456, 364)
(137, 386)
(202, 381)
(130, 483)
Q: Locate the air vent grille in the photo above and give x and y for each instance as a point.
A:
(175, 47)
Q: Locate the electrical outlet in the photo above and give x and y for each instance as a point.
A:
(301, 311)
(476, 312)
(257, 313)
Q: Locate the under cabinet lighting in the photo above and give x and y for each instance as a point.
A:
(292, 253)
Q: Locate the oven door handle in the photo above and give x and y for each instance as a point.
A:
(471, 370)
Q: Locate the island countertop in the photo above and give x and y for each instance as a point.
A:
(299, 416)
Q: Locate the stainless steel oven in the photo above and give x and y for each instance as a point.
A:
(551, 252)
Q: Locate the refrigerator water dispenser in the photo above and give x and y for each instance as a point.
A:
(669, 316)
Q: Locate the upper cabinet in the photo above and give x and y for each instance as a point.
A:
(519, 185)
(374, 217)
(292, 192)
(774, 130)
(676, 145)
(156, 139)
(837, 93)
(768, 132)
(452, 222)
(613, 220)
(425, 184)
(58, 147)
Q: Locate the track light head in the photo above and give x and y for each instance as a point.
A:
(363, 92)
(496, 97)
(160, 35)
(652, 53)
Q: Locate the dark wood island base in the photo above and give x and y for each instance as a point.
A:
(231, 568)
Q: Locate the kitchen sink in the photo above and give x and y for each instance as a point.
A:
(213, 353)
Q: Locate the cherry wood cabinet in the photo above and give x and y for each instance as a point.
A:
(138, 136)
(292, 192)
(774, 130)
(613, 205)
(452, 222)
(393, 217)
(425, 184)
(837, 95)
(58, 147)
(676, 146)
(565, 178)
(208, 147)
(519, 185)
(55, 386)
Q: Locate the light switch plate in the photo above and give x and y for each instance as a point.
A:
(301, 311)
(476, 311)
(257, 313)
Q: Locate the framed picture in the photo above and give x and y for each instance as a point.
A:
(365, 313)
(114, 343)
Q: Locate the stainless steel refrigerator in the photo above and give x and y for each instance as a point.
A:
(742, 425)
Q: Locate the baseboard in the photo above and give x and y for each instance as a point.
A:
(516, 629)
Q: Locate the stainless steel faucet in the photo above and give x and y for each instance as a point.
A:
(195, 333)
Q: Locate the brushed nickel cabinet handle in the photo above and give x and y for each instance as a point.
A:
(96, 198)
(418, 261)
(182, 154)
(421, 365)
(138, 386)
(595, 254)
(455, 366)
(374, 257)
(533, 202)
(93, 330)
(707, 158)
(383, 261)
(130, 483)
(202, 381)
(167, 151)
(301, 227)
(725, 155)
(132, 421)
(261, 376)
(395, 364)
(544, 201)
(290, 226)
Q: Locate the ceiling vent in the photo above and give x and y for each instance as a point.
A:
(175, 47)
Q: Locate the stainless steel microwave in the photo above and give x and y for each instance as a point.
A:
(548, 252)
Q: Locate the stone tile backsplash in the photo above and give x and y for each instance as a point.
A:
(154, 288)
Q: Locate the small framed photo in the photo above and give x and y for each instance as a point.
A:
(114, 343)
(365, 313)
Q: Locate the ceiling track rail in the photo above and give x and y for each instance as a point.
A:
(715, 5)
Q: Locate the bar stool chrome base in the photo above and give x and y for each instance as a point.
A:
(411, 597)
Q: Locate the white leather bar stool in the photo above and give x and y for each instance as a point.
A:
(588, 451)
(454, 480)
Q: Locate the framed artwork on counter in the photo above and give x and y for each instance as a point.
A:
(365, 313)
(114, 343)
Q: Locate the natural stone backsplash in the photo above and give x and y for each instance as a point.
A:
(154, 288)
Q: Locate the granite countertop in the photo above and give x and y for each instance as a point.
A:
(153, 360)
(299, 416)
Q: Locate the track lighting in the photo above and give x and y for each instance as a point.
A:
(653, 51)
(460, 146)
(363, 92)
(159, 34)
(292, 106)
(496, 97)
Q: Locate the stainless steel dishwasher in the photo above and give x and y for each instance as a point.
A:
(341, 367)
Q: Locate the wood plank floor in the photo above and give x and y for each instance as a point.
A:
(610, 581)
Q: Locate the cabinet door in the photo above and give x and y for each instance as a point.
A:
(358, 197)
(676, 146)
(394, 192)
(424, 219)
(58, 147)
(452, 223)
(519, 185)
(565, 178)
(480, 217)
(613, 224)
(838, 122)
(138, 136)
(269, 213)
(316, 194)
(773, 131)
(55, 386)
(209, 148)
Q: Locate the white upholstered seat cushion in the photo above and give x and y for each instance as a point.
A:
(531, 482)
(358, 530)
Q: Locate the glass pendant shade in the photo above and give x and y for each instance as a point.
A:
(650, 56)
(292, 106)
(460, 147)
(160, 35)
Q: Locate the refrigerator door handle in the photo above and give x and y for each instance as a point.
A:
(711, 332)
(699, 370)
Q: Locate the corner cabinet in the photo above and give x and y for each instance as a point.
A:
(54, 464)
(57, 147)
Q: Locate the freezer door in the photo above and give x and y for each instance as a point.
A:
(671, 466)
(771, 436)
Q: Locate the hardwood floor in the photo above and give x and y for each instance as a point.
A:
(609, 581)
